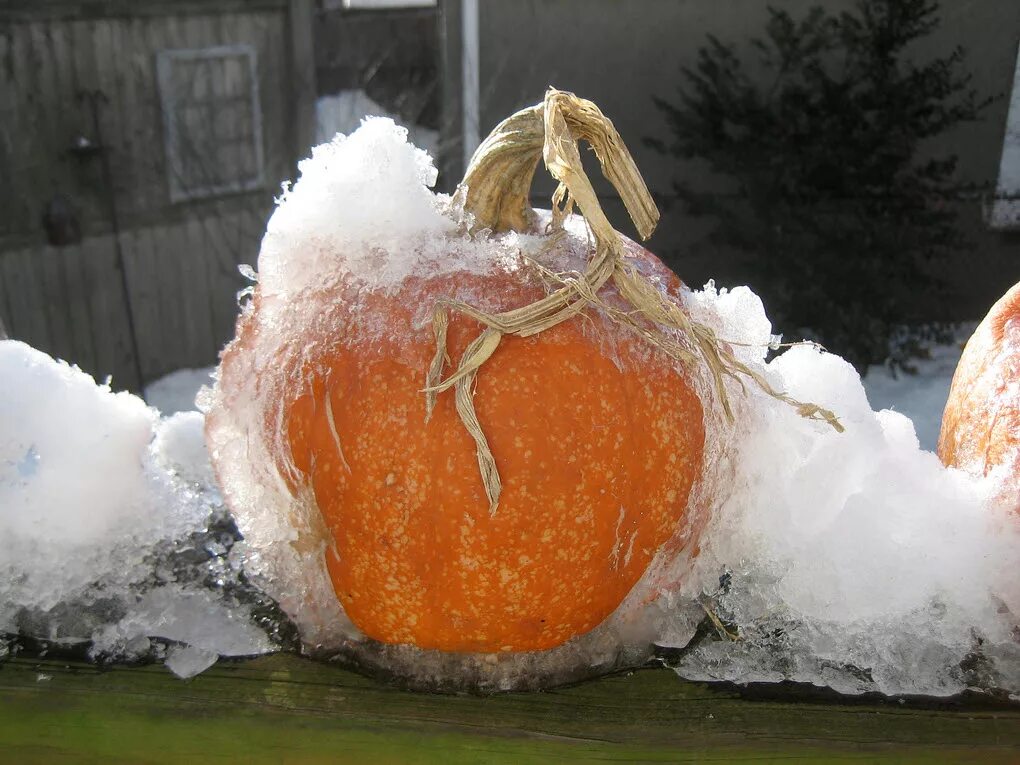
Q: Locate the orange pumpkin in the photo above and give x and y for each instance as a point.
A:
(599, 456)
(981, 422)
(518, 510)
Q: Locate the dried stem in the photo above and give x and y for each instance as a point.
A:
(495, 190)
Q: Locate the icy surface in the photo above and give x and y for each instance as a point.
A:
(109, 520)
(852, 560)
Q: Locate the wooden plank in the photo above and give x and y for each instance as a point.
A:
(172, 287)
(300, 17)
(85, 77)
(110, 334)
(285, 709)
(53, 294)
(138, 255)
(269, 33)
(18, 302)
(29, 10)
(143, 137)
(200, 329)
(233, 246)
(41, 80)
(5, 306)
(29, 320)
(28, 151)
(8, 121)
(79, 312)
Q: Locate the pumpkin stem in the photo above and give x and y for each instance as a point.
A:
(495, 191)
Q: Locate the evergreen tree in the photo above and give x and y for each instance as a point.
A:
(822, 132)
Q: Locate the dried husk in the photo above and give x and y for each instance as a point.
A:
(495, 192)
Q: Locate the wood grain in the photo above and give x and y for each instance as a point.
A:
(283, 709)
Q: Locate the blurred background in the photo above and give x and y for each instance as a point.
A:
(858, 166)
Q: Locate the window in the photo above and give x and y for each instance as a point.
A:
(1005, 209)
(212, 121)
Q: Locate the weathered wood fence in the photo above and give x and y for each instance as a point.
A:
(132, 192)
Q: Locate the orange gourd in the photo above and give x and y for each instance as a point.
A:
(497, 477)
(981, 422)
(599, 457)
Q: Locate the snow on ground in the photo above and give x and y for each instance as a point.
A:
(176, 391)
(921, 396)
(853, 560)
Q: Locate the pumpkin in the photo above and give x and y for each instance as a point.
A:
(981, 421)
(487, 460)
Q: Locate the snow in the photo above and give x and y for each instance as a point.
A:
(176, 391)
(853, 560)
(106, 510)
(372, 186)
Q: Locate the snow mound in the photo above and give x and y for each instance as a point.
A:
(372, 186)
(111, 530)
(852, 560)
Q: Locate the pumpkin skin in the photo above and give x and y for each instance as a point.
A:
(981, 422)
(598, 437)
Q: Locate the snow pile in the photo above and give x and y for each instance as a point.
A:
(851, 560)
(111, 529)
(369, 187)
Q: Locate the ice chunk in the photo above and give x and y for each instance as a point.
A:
(188, 661)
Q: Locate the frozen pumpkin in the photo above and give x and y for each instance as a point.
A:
(456, 425)
(981, 423)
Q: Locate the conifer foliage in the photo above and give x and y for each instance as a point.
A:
(821, 131)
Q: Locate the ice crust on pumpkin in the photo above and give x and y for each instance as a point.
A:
(108, 517)
(852, 560)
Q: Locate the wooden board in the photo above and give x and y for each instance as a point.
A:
(282, 709)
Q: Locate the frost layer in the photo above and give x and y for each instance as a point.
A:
(851, 560)
(108, 520)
